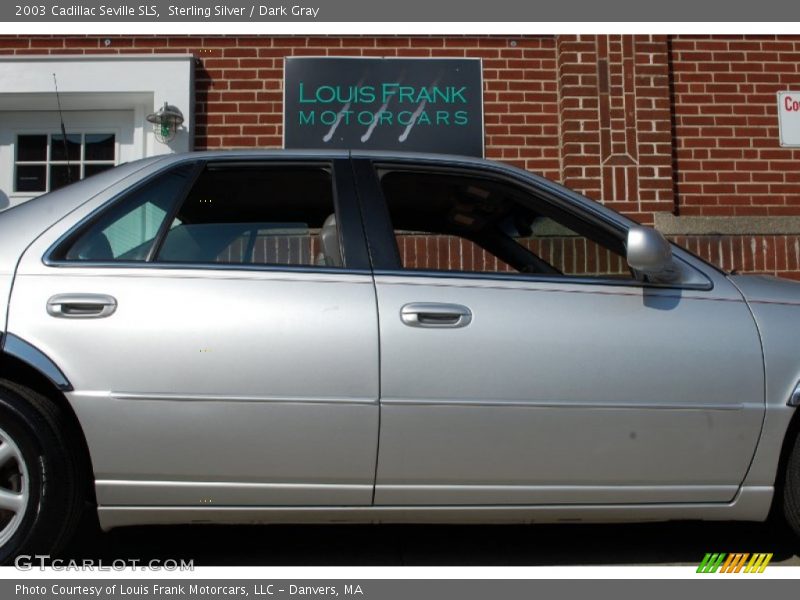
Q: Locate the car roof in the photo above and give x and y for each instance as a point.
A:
(330, 153)
(452, 160)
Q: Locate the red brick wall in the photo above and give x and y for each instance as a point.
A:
(645, 124)
(771, 254)
(615, 119)
(728, 159)
(239, 83)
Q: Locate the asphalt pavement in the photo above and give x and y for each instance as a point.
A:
(683, 543)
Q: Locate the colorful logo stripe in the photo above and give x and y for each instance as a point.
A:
(734, 563)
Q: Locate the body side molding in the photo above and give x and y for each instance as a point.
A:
(751, 504)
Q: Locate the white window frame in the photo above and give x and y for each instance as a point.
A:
(80, 163)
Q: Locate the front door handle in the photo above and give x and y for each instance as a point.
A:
(81, 306)
(435, 315)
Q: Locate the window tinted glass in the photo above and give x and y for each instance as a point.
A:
(127, 230)
(451, 222)
(279, 215)
(98, 146)
(31, 178)
(68, 148)
(31, 147)
(443, 252)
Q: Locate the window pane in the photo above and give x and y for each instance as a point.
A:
(31, 147)
(251, 215)
(89, 170)
(128, 229)
(61, 150)
(268, 243)
(449, 222)
(31, 178)
(99, 146)
(573, 254)
(445, 253)
(61, 175)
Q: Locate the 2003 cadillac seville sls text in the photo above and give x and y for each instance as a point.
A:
(152, 10)
(327, 337)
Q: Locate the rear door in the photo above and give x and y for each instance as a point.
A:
(219, 327)
(521, 362)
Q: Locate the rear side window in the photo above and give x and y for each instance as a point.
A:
(230, 214)
(256, 215)
(128, 230)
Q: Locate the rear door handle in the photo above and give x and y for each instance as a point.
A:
(435, 315)
(81, 306)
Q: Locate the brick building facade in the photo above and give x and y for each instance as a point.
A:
(676, 131)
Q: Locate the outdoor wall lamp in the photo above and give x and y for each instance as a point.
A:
(166, 121)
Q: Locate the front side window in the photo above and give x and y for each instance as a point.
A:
(45, 162)
(240, 215)
(454, 222)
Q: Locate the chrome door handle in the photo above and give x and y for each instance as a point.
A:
(81, 306)
(435, 315)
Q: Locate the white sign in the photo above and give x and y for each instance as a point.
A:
(789, 118)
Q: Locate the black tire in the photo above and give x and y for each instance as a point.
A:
(55, 474)
(791, 488)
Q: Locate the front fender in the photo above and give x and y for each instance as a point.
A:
(775, 304)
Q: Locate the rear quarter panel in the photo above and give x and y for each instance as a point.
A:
(21, 225)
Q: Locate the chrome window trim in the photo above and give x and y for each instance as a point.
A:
(542, 278)
(162, 266)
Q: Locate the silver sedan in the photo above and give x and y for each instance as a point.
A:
(271, 337)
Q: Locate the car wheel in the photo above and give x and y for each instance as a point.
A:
(41, 482)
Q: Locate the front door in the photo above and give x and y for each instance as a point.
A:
(521, 362)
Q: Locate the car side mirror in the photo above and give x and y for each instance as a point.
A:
(648, 252)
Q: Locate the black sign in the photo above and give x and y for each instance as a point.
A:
(415, 105)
